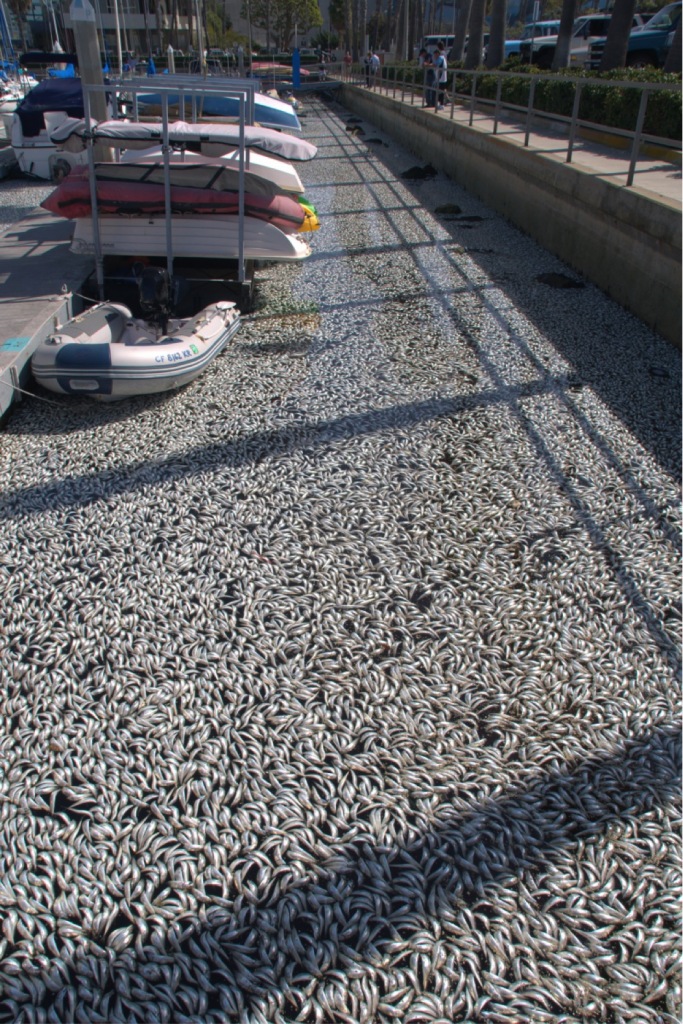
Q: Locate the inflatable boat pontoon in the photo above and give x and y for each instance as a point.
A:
(107, 354)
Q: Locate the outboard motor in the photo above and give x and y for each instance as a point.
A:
(156, 295)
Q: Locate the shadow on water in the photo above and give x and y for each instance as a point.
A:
(272, 937)
(634, 371)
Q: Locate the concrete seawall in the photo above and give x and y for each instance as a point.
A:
(627, 241)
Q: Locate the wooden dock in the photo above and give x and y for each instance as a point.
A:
(37, 275)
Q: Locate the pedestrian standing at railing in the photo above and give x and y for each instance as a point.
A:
(430, 81)
(442, 72)
(348, 60)
(374, 68)
(368, 69)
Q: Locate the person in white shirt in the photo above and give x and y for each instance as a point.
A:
(374, 67)
(442, 72)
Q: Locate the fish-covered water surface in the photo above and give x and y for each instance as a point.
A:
(341, 685)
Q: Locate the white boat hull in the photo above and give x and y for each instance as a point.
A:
(38, 155)
(43, 161)
(107, 355)
(279, 172)
(201, 237)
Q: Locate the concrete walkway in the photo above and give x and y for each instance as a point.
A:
(659, 177)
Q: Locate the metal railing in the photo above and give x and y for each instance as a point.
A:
(193, 91)
(413, 86)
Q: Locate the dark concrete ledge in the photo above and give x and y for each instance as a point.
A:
(627, 241)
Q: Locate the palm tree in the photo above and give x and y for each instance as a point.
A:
(148, 38)
(564, 36)
(673, 60)
(475, 42)
(363, 21)
(348, 26)
(461, 26)
(496, 51)
(616, 44)
(354, 37)
(388, 26)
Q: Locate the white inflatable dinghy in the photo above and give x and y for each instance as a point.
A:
(107, 354)
(280, 172)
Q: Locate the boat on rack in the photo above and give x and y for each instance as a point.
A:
(208, 138)
(129, 191)
(272, 169)
(268, 111)
(208, 172)
(108, 354)
(215, 237)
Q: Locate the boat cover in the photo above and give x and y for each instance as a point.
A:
(51, 94)
(71, 199)
(268, 111)
(214, 139)
(213, 176)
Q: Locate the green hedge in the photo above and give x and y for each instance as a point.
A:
(612, 107)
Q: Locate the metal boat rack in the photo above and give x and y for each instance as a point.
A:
(186, 91)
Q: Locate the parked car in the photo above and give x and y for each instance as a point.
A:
(648, 44)
(669, 44)
(543, 29)
(589, 29)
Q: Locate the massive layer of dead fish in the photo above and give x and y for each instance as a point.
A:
(342, 685)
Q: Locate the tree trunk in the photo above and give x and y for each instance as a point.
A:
(475, 42)
(616, 44)
(205, 24)
(375, 31)
(363, 24)
(188, 8)
(354, 52)
(673, 58)
(440, 17)
(174, 25)
(564, 36)
(22, 33)
(148, 38)
(400, 23)
(267, 23)
(461, 27)
(496, 51)
(386, 43)
(348, 26)
(160, 36)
